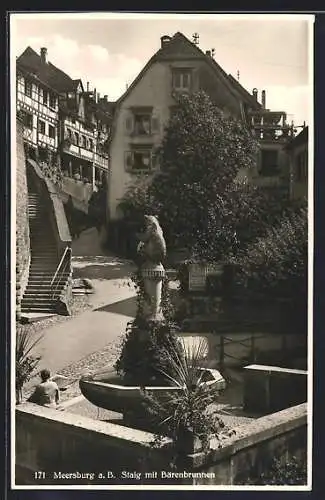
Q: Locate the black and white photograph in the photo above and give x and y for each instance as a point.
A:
(161, 235)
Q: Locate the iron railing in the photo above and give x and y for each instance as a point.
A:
(249, 343)
(60, 270)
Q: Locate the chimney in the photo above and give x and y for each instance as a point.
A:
(44, 55)
(87, 86)
(208, 53)
(263, 99)
(255, 91)
(98, 96)
(164, 40)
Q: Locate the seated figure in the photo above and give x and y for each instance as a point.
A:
(46, 393)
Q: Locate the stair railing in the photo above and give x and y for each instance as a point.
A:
(60, 269)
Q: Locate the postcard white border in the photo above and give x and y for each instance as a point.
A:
(187, 16)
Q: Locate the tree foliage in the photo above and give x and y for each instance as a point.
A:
(278, 261)
(197, 195)
(196, 191)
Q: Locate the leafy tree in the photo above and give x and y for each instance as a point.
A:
(137, 200)
(201, 155)
(277, 262)
(197, 196)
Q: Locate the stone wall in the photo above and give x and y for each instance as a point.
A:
(52, 441)
(22, 223)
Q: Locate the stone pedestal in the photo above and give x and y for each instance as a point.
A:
(153, 275)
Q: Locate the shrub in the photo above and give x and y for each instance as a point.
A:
(291, 472)
(26, 363)
(277, 262)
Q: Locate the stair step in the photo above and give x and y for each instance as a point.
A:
(44, 267)
(45, 280)
(38, 308)
(46, 255)
(49, 301)
(43, 273)
(37, 299)
(37, 281)
(44, 258)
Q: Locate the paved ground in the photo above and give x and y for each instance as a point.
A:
(112, 306)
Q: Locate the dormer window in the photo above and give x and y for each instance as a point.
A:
(182, 79)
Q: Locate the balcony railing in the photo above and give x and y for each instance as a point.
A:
(270, 125)
(101, 161)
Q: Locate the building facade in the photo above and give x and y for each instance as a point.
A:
(141, 114)
(38, 107)
(64, 125)
(298, 157)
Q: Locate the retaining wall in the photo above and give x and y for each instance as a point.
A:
(58, 443)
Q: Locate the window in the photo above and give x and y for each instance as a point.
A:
(302, 166)
(138, 160)
(52, 131)
(83, 141)
(142, 124)
(75, 138)
(28, 120)
(28, 89)
(269, 162)
(41, 127)
(45, 97)
(182, 79)
(52, 101)
(91, 145)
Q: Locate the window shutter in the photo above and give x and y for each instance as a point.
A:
(129, 124)
(154, 124)
(155, 160)
(128, 161)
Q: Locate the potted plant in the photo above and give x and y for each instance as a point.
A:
(188, 416)
(26, 363)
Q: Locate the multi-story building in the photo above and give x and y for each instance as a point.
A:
(298, 154)
(38, 105)
(65, 121)
(144, 109)
(273, 133)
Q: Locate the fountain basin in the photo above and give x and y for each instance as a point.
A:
(107, 390)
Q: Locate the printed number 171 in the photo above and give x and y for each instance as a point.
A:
(39, 474)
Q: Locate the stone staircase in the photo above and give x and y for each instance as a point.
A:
(40, 295)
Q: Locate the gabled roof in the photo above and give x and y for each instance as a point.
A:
(245, 94)
(30, 61)
(179, 48)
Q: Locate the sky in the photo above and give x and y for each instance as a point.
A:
(108, 50)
